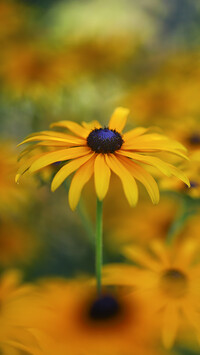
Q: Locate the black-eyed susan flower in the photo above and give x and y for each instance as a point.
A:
(169, 279)
(96, 150)
(68, 317)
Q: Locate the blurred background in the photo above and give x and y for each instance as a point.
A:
(78, 60)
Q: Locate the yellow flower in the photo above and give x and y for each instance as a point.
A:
(123, 227)
(67, 317)
(12, 198)
(14, 338)
(169, 279)
(36, 70)
(170, 94)
(96, 150)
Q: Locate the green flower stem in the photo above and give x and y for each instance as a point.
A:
(99, 243)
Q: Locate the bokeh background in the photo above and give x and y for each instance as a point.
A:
(78, 60)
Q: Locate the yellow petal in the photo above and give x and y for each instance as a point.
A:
(91, 125)
(165, 168)
(128, 182)
(80, 178)
(151, 143)
(120, 274)
(159, 249)
(67, 169)
(192, 314)
(139, 255)
(101, 176)
(144, 177)
(68, 139)
(73, 127)
(118, 119)
(154, 161)
(59, 155)
(170, 325)
(133, 133)
(186, 253)
(179, 174)
(25, 166)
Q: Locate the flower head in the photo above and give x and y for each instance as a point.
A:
(169, 279)
(96, 150)
(69, 318)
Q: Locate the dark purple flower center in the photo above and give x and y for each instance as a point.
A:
(194, 184)
(104, 140)
(105, 307)
(194, 139)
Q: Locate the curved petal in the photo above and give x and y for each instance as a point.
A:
(73, 127)
(55, 134)
(128, 182)
(170, 324)
(133, 133)
(59, 155)
(67, 169)
(191, 313)
(25, 166)
(155, 143)
(80, 178)
(186, 253)
(101, 176)
(139, 255)
(159, 249)
(118, 119)
(67, 140)
(144, 177)
(165, 168)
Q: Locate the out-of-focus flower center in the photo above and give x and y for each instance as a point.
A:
(193, 184)
(105, 307)
(174, 283)
(194, 139)
(104, 140)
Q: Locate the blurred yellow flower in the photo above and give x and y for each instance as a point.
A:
(96, 150)
(124, 226)
(68, 317)
(169, 279)
(35, 71)
(11, 197)
(170, 93)
(14, 338)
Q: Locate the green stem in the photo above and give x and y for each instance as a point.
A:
(99, 243)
